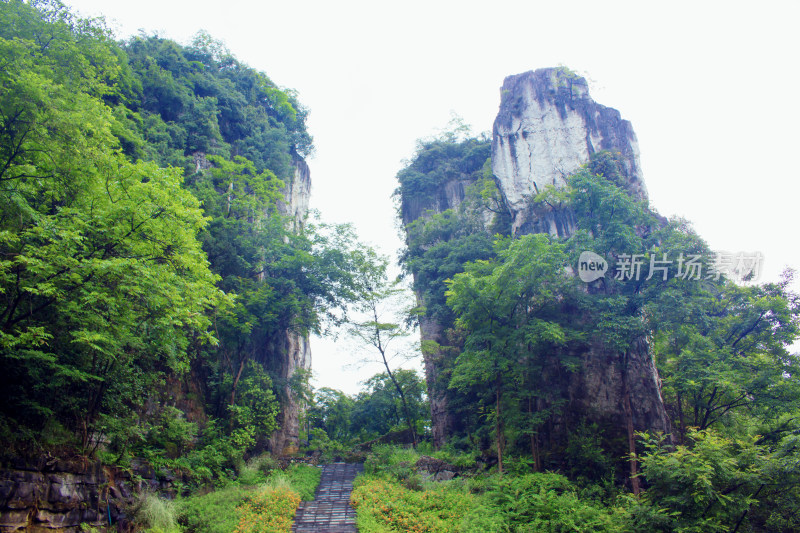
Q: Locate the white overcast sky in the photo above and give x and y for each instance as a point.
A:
(710, 87)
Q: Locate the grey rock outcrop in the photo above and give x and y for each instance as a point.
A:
(293, 351)
(297, 192)
(449, 196)
(67, 495)
(442, 422)
(295, 355)
(547, 127)
(432, 469)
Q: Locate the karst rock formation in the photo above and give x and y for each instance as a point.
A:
(546, 128)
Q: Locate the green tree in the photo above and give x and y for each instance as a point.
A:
(380, 299)
(253, 412)
(104, 284)
(331, 411)
(510, 311)
(715, 482)
(725, 348)
(379, 409)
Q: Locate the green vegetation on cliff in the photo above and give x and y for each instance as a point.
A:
(514, 328)
(149, 278)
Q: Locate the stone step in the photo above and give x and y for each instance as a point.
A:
(330, 512)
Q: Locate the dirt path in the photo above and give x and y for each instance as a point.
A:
(330, 512)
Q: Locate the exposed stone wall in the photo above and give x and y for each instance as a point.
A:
(293, 350)
(61, 495)
(441, 418)
(297, 192)
(546, 128)
(295, 354)
(449, 195)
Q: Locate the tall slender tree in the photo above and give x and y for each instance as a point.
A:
(381, 326)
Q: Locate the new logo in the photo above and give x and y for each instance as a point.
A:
(591, 266)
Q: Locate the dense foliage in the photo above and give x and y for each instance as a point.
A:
(336, 420)
(393, 495)
(262, 496)
(513, 322)
(104, 282)
(714, 485)
(151, 275)
(439, 161)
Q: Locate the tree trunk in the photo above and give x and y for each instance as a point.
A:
(379, 345)
(235, 385)
(498, 431)
(628, 410)
(406, 412)
(537, 461)
(635, 485)
(682, 426)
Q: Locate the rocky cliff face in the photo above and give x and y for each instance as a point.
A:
(449, 196)
(547, 127)
(69, 495)
(293, 351)
(297, 192)
(442, 421)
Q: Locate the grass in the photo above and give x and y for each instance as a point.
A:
(157, 515)
(383, 505)
(214, 512)
(304, 479)
(238, 507)
(268, 510)
(390, 497)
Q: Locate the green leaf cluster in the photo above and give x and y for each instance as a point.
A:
(104, 283)
(150, 281)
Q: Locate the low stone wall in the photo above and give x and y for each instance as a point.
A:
(61, 495)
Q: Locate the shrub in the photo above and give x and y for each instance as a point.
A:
(382, 505)
(545, 502)
(256, 470)
(268, 511)
(214, 512)
(156, 514)
(708, 486)
(330, 449)
(391, 459)
(221, 511)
